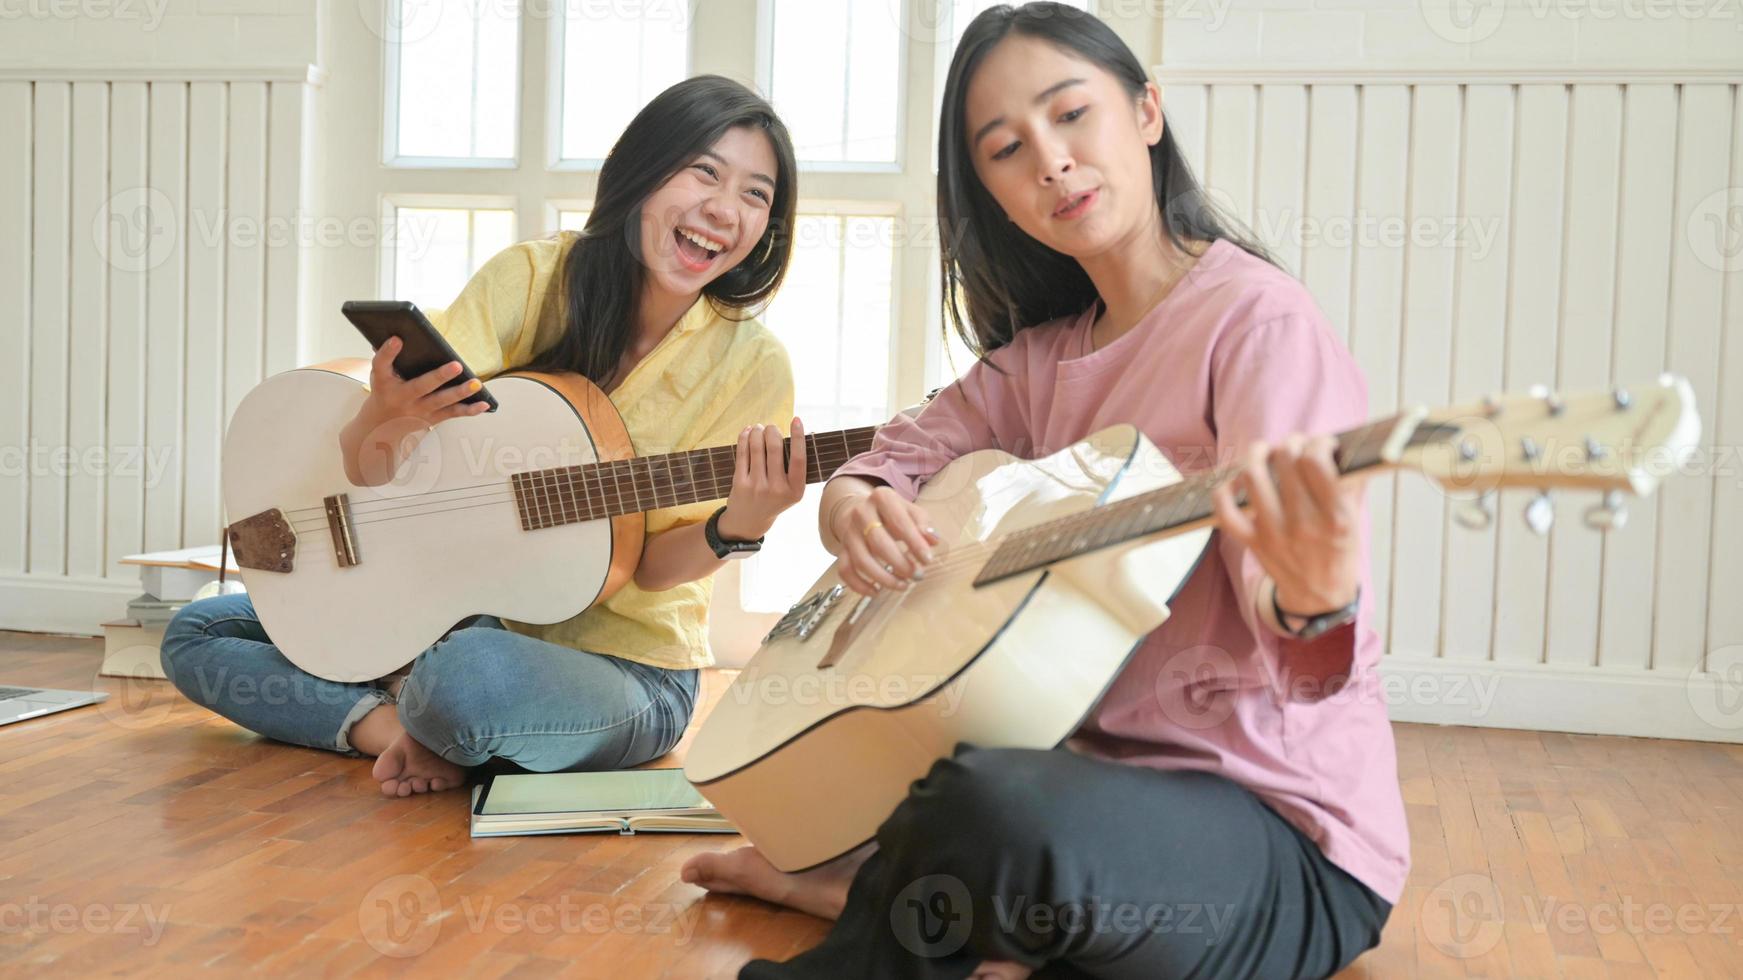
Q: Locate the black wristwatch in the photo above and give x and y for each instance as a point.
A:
(729, 549)
(1313, 626)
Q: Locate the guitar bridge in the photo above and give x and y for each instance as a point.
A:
(264, 542)
(339, 524)
(802, 620)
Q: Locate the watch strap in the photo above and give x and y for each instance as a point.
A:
(1317, 624)
(722, 547)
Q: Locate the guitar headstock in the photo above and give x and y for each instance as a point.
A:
(1622, 440)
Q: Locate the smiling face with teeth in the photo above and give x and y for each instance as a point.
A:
(710, 215)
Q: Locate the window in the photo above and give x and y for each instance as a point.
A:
(435, 250)
(956, 16)
(835, 70)
(572, 218)
(859, 309)
(616, 57)
(833, 315)
(453, 76)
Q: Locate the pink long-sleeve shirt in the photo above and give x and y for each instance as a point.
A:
(1237, 352)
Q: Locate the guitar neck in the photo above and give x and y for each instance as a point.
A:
(1175, 508)
(594, 491)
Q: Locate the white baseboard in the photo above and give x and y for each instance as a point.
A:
(1699, 706)
(62, 604)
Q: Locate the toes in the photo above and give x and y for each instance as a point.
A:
(438, 784)
(405, 788)
(420, 784)
(390, 787)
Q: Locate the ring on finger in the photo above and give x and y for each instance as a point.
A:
(873, 526)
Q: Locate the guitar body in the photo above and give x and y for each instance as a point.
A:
(430, 544)
(819, 737)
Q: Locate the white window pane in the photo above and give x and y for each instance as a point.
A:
(459, 68)
(492, 231)
(954, 358)
(616, 58)
(836, 77)
(436, 250)
(833, 314)
(961, 13)
(572, 220)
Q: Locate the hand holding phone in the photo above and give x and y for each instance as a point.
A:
(431, 397)
(409, 390)
(420, 350)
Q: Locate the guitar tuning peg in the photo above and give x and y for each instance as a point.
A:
(1477, 514)
(1610, 515)
(1622, 399)
(1540, 514)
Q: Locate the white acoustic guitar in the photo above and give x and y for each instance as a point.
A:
(532, 513)
(1052, 573)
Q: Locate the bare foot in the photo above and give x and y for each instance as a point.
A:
(407, 767)
(403, 765)
(822, 891)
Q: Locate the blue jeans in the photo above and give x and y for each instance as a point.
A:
(479, 693)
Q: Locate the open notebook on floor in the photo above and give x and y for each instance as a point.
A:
(628, 801)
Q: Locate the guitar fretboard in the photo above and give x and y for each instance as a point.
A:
(1173, 507)
(593, 491)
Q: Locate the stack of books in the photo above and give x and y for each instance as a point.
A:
(170, 579)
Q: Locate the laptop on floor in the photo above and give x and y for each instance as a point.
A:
(20, 703)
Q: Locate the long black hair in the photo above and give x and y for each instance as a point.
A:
(1003, 279)
(604, 274)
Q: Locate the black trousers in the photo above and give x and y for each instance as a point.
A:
(1080, 867)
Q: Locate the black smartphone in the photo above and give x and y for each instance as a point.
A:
(423, 349)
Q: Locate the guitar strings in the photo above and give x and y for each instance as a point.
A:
(545, 501)
(603, 468)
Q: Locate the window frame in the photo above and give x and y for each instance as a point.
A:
(556, 43)
(391, 158)
(765, 74)
(387, 267)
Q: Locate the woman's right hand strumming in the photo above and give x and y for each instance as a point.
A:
(883, 540)
(376, 440)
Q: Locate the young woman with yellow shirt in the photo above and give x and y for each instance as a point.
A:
(690, 231)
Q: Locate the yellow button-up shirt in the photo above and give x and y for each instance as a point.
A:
(706, 380)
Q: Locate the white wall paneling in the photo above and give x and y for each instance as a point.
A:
(154, 279)
(1478, 229)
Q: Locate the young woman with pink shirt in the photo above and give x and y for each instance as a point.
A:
(1231, 807)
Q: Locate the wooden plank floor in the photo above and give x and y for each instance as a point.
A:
(147, 836)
